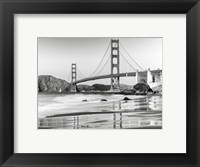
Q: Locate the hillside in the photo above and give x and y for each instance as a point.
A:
(48, 83)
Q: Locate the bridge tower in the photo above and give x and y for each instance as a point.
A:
(115, 85)
(73, 77)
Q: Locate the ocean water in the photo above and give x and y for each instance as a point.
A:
(88, 111)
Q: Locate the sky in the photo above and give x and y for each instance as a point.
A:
(56, 54)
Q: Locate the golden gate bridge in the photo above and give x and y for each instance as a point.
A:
(147, 76)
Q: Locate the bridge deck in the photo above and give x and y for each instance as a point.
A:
(105, 76)
(128, 74)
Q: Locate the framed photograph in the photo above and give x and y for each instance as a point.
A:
(99, 83)
(118, 94)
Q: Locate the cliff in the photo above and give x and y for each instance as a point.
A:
(48, 83)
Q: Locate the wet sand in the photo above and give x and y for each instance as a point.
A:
(143, 112)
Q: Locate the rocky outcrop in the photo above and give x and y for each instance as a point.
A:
(126, 98)
(142, 88)
(157, 89)
(103, 100)
(48, 83)
(139, 89)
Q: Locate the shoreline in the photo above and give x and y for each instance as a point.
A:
(103, 93)
(102, 112)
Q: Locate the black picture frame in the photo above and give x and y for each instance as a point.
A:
(10, 7)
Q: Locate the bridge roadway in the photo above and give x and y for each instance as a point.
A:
(105, 76)
(128, 74)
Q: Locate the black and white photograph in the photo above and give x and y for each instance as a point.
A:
(99, 82)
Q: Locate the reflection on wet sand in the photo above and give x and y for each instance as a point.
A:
(142, 113)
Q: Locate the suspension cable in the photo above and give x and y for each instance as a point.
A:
(80, 77)
(126, 60)
(80, 72)
(131, 56)
(103, 66)
(101, 60)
